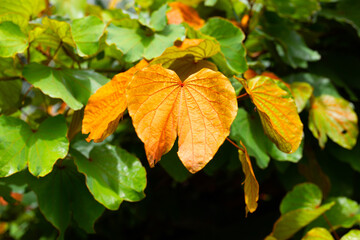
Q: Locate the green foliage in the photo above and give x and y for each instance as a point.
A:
(122, 177)
(72, 86)
(55, 55)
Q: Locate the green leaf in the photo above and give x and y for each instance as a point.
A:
(344, 214)
(39, 150)
(112, 175)
(13, 147)
(321, 85)
(243, 129)
(10, 92)
(72, 8)
(12, 40)
(230, 39)
(47, 144)
(290, 45)
(137, 43)
(296, 9)
(62, 195)
(290, 223)
(348, 156)
(25, 8)
(346, 11)
(299, 207)
(86, 34)
(158, 19)
(173, 166)
(303, 196)
(73, 86)
(318, 234)
(352, 235)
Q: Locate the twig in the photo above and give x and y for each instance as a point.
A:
(9, 78)
(331, 227)
(243, 96)
(251, 13)
(56, 51)
(26, 93)
(28, 54)
(71, 56)
(107, 70)
(230, 141)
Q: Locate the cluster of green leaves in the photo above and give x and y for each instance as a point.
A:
(53, 57)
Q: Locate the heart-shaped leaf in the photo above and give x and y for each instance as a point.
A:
(199, 110)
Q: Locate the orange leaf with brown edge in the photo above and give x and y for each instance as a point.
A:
(107, 105)
(199, 110)
(251, 186)
(278, 113)
(333, 117)
(182, 13)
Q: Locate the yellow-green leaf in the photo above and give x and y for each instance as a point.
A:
(318, 233)
(60, 29)
(289, 223)
(277, 111)
(197, 49)
(251, 186)
(333, 117)
(301, 92)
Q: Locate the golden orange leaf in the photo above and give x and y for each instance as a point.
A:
(105, 108)
(251, 186)
(278, 113)
(333, 117)
(249, 74)
(182, 13)
(199, 110)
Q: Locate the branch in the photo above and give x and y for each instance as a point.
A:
(243, 96)
(234, 144)
(10, 78)
(331, 227)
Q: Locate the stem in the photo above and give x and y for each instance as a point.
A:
(230, 141)
(26, 93)
(71, 56)
(56, 51)
(245, 95)
(28, 54)
(331, 227)
(107, 70)
(9, 78)
(247, 30)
